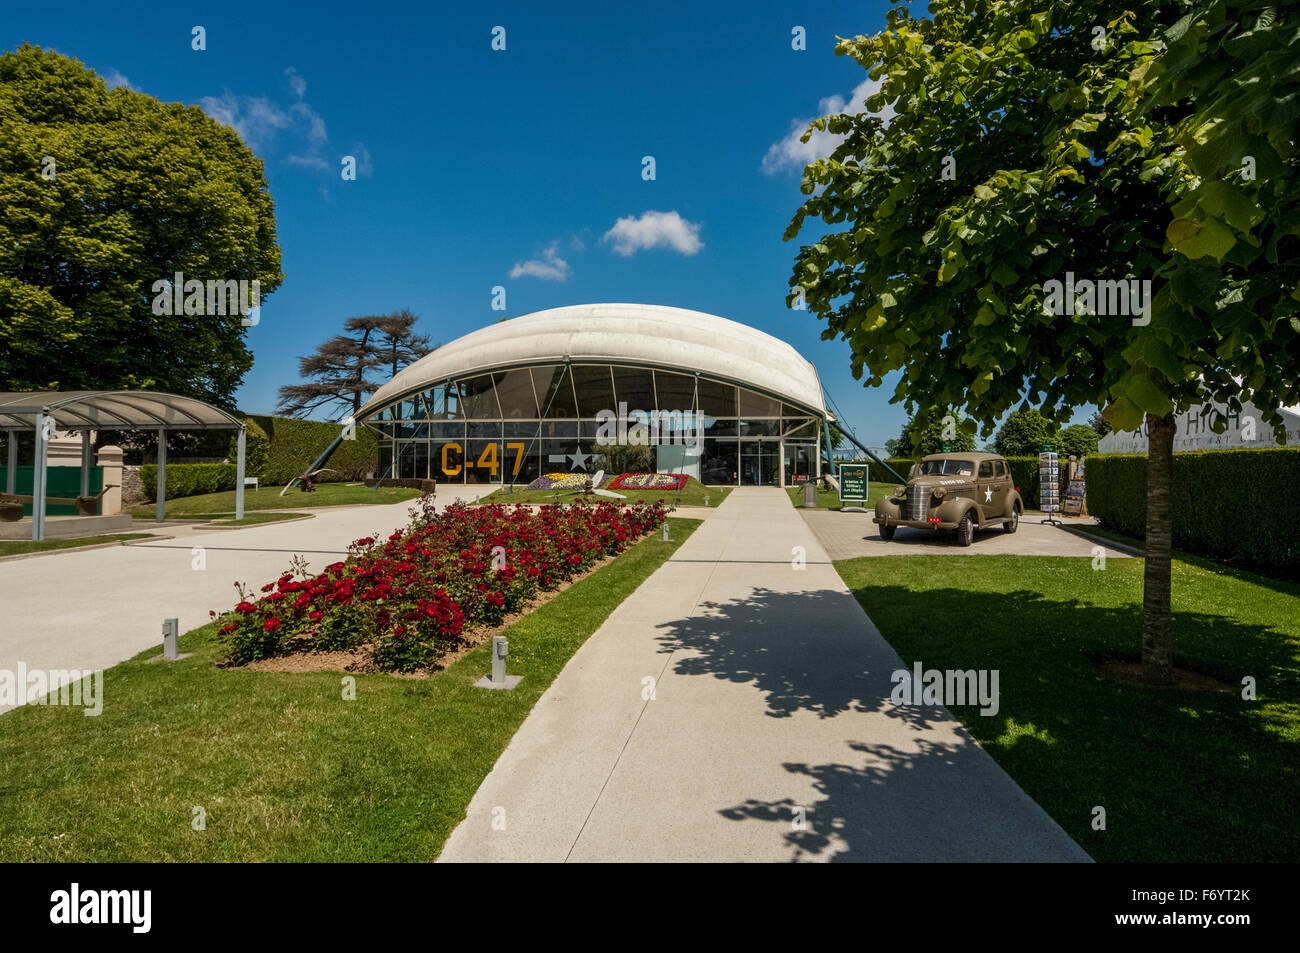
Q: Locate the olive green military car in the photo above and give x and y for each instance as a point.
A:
(957, 491)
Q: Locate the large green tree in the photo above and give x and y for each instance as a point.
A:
(928, 431)
(103, 193)
(1022, 150)
(1023, 434)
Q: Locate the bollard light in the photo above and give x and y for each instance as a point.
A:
(171, 631)
(499, 678)
(500, 649)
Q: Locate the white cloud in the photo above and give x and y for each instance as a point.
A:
(115, 79)
(315, 124)
(258, 120)
(654, 230)
(364, 166)
(790, 153)
(310, 162)
(297, 82)
(255, 118)
(550, 266)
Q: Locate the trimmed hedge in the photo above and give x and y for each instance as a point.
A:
(188, 479)
(1229, 505)
(294, 444)
(257, 445)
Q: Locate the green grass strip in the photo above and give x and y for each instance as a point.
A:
(1182, 775)
(283, 768)
(14, 547)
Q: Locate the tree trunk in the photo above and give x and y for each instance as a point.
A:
(1157, 637)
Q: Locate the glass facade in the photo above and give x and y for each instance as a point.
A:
(512, 426)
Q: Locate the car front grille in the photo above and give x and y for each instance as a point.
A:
(916, 504)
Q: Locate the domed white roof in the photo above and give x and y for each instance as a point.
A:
(645, 334)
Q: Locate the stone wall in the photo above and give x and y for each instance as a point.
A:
(132, 494)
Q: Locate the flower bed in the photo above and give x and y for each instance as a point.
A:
(411, 599)
(649, 481)
(562, 481)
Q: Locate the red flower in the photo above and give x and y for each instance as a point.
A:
(270, 625)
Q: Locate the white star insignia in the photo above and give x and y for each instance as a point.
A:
(579, 458)
(988, 495)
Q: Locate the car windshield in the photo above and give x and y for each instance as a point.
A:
(947, 468)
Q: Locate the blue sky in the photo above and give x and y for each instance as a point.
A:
(478, 165)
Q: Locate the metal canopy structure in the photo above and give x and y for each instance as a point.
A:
(44, 412)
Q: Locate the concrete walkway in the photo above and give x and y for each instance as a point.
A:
(89, 610)
(769, 735)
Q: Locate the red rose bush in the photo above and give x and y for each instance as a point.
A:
(413, 596)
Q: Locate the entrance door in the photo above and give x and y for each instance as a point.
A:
(760, 462)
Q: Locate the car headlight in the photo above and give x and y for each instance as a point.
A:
(940, 492)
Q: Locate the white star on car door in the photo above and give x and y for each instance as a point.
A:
(988, 494)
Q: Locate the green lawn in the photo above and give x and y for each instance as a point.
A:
(283, 766)
(269, 498)
(12, 547)
(253, 519)
(1183, 776)
(830, 499)
(693, 494)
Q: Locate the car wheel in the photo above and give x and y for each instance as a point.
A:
(1014, 521)
(887, 532)
(965, 531)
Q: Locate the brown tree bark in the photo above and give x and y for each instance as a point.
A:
(1157, 635)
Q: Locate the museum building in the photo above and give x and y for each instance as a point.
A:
(723, 402)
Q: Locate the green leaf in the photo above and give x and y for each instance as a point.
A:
(1210, 238)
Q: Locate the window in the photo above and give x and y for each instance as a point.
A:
(479, 398)
(986, 470)
(594, 388)
(717, 399)
(756, 405)
(515, 392)
(555, 390)
(674, 391)
(634, 387)
(946, 468)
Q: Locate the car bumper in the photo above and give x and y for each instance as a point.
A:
(915, 524)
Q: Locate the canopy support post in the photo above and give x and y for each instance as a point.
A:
(39, 475)
(11, 474)
(160, 507)
(85, 463)
(239, 474)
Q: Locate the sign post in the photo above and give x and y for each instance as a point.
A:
(853, 487)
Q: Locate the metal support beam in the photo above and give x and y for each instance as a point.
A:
(851, 439)
(11, 474)
(44, 430)
(239, 473)
(85, 463)
(160, 509)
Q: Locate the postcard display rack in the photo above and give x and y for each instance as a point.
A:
(1049, 485)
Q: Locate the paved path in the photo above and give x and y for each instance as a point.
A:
(771, 705)
(849, 535)
(92, 609)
